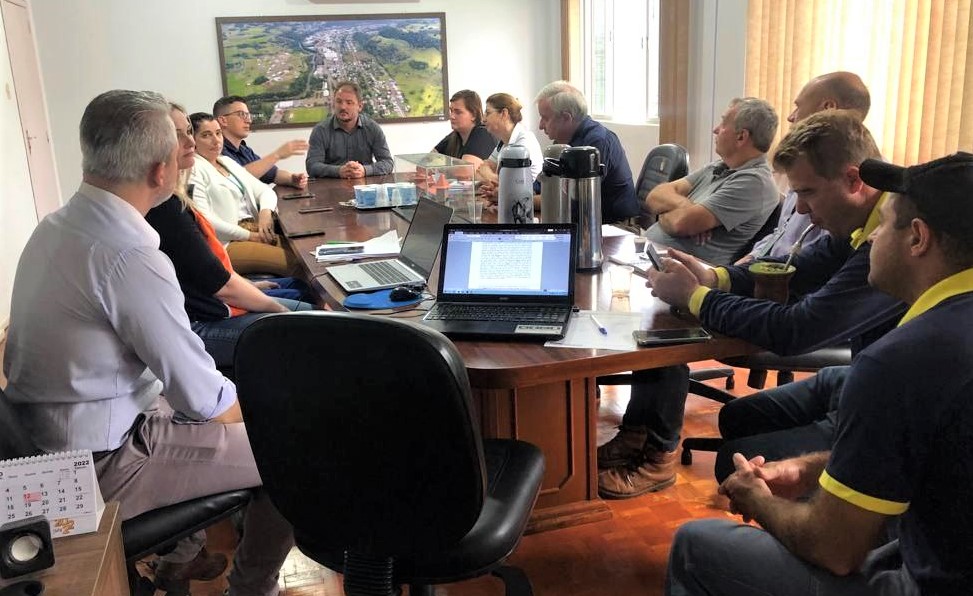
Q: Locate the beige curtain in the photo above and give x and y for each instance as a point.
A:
(915, 56)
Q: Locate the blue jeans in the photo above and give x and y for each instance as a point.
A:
(658, 403)
(719, 557)
(782, 422)
(220, 337)
(290, 288)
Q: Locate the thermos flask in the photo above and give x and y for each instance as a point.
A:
(581, 172)
(515, 191)
(554, 204)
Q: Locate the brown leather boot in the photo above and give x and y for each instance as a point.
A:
(173, 577)
(654, 470)
(623, 448)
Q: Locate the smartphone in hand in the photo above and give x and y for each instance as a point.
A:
(654, 257)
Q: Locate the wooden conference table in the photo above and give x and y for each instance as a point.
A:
(546, 396)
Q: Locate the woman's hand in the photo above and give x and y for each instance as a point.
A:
(265, 226)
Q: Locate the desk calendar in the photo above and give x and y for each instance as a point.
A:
(60, 486)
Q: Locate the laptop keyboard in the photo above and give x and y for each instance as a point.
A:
(384, 273)
(497, 312)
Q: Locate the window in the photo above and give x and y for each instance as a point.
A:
(621, 59)
(915, 57)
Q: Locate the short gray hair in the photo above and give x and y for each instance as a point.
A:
(124, 134)
(757, 117)
(564, 97)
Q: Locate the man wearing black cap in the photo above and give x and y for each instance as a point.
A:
(904, 447)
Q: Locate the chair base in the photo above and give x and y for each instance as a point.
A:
(699, 444)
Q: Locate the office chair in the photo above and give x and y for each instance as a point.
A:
(759, 364)
(153, 532)
(664, 163)
(367, 442)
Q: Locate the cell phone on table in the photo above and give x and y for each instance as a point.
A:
(339, 250)
(654, 257)
(663, 337)
(306, 233)
(298, 195)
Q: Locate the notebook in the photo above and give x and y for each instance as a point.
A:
(415, 260)
(505, 281)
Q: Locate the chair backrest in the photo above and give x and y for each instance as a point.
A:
(363, 431)
(764, 230)
(665, 163)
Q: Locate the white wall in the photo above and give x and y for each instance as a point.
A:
(17, 214)
(92, 46)
(717, 68)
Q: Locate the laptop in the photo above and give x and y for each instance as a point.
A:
(415, 260)
(504, 281)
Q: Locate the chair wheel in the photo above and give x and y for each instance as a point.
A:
(730, 383)
(686, 458)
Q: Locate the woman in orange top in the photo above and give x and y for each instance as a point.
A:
(220, 303)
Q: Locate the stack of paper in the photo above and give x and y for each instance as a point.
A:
(382, 246)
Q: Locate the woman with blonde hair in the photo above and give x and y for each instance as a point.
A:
(219, 302)
(504, 119)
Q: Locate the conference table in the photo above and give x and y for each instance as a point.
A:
(522, 390)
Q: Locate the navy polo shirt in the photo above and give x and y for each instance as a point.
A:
(244, 155)
(618, 199)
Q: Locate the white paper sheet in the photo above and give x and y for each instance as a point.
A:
(584, 333)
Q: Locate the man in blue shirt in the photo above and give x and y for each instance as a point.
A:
(564, 118)
(234, 118)
(904, 449)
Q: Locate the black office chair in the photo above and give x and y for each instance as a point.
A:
(367, 441)
(759, 364)
(153, 532)
(664, 163)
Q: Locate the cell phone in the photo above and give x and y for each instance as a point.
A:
(654, 257)
(298, 195)
(324, 251)
(662, 337)
(306, 233)
(314, 209)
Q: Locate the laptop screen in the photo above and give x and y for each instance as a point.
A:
(421, 244)
(508, 263)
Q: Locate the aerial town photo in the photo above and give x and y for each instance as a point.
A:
(287, 69)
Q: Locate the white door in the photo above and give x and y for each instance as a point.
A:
(30, 101)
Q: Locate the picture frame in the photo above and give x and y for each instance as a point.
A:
(286, 67)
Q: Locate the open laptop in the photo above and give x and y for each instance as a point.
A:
(505, 281)
(415, 260)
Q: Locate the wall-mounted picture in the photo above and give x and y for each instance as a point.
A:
(287, 67)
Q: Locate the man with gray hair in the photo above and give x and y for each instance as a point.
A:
(715, 211)
(98, 332)
(564, 118)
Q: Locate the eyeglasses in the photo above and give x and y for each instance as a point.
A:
(488, 111)
(245, 115)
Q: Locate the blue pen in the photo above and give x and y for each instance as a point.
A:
(602, 328)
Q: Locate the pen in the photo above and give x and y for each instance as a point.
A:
(602, 328)
(314, 210)
(339, 242)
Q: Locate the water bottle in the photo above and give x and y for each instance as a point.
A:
(515, 190)
(554, 205)
(581, 172)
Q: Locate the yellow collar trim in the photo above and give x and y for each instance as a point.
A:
(859, 236)
(959, 283)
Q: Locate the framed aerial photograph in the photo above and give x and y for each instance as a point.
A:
(287, 67)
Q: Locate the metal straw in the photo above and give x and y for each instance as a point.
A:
(797, 246)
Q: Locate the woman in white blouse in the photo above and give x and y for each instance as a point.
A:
(240, 207)
(503, 119)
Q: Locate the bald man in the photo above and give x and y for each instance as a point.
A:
(834, 90)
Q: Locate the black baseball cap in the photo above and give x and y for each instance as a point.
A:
(941, 189)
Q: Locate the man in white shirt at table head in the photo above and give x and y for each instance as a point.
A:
(98, 332)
